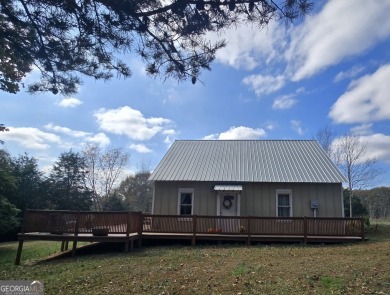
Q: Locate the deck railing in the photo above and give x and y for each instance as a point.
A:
(248, 225)
(136, 222)
(80, 222)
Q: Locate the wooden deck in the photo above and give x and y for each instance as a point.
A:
(130, 227)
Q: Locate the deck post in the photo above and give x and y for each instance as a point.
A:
(248, 241)
(362, 234)
(20, 246)
(127, 232)
(19, 253)
(305, 230)
(193, 241)
(76, 233)
(62, 246)
(140, 228)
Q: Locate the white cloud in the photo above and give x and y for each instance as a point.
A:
(264, 84)
(249, 46)
(69, 102)
(211, 136)
(378, 146)
(240, 132)
(367, 99)
(169, 132)
(65, 130)
(31, 138)
(284, 102)
(364, 129)
(130, 122)
(342, 29)
(99, 138)
(296, 126)
(270, 125)
(169, 140)
(140, 148)
(348, 74)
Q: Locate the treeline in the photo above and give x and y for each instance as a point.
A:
(92, 179)
(374, 203)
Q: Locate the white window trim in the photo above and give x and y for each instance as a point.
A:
(284, 192)
(185, 190)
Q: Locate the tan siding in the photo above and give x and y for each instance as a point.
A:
(305, 200)
(172, 201)
(325, 204)
(322, 202)
(257, 199)
(313, 195)
(251, 199)
(298, 195)
(337, 199)
(265, 202)
(271, 198)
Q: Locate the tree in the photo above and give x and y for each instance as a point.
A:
(9, 216)
(358, 208)
(325, 137)
(7, 179)
(137, 191)
(28, 180)
(104, 168)
(2, 127)
(377, 201)
(63, 39)
(360, 170)
(8, 212)
(67, 183)
(114, 203)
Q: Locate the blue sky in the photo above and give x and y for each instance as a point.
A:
(281, 82)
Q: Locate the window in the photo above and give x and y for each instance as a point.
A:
(283, 201)
(186, 201)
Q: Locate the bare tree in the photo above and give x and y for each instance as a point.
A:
(350, 154)
(325, 136)
(90, 154)
(104, 170)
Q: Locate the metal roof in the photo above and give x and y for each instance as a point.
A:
(247, 161)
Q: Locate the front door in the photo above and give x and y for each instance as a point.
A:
(228, 204)
(229, 208)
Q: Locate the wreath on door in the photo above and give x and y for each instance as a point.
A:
(227, 202)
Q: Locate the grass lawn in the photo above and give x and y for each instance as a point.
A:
(361, 268)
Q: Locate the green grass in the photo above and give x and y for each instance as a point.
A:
(361, 268)
(240, 269)
(333, 284)
(32, 251)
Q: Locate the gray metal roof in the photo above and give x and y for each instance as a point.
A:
(247, 161)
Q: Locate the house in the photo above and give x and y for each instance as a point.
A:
(265, 178)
